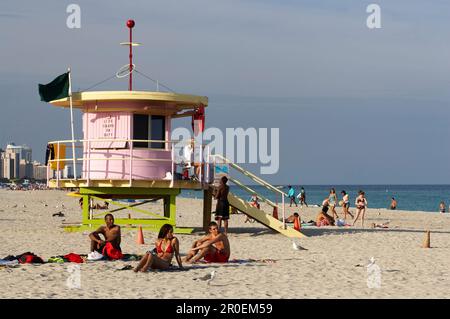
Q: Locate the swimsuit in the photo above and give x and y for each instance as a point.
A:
(218, 256)
(159, 250)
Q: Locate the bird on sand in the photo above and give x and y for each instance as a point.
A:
(208, 278)
(296, 246)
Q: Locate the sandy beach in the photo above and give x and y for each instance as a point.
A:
(332, 266)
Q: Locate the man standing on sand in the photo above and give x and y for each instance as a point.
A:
(223, 206)
(214, 247)
(110, 245)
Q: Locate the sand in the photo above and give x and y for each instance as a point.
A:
(333, 266)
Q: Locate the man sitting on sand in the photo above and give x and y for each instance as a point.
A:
(110, 246)
(214, 247)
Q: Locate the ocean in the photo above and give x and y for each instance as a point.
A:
(409, 197)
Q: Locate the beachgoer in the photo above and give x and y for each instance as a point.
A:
(393, 204)
(161, 257)
(99, 206)
(442, 207)
(253, 202)
(223, 206)
(213, 247)
(302, 197)
(323, 219)
(346, 204)
(110, 232)
(291, 195)
(361, 204)
(332, 200)
(292, 218)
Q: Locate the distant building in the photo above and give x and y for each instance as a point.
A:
(1, 163)
(39, 171)
(15, 162)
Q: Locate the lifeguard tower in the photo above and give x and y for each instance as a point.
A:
(127, 153)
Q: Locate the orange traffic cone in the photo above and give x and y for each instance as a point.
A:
(140, 238)
(275, 212)
(297, 223)
(426, 240)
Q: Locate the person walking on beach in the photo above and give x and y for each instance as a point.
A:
(302, 197)
(332, 200)
(161, 256)
(223, 206)
(214, 247)
(393, 204)
(291, 195)
(361, 204)
(442, 207)
(346, 204)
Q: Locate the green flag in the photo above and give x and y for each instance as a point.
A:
(56, 89)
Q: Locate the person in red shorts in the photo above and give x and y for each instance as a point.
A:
(213, 248)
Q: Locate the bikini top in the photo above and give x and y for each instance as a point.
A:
(169, 248)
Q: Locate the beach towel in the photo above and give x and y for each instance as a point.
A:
(8, 262)
(56, 259)
(73, 258)
(111, 252)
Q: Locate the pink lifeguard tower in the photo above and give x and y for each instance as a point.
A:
(128, 153)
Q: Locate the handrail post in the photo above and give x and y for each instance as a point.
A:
(173, 163)
(48, 173)
(284, 216)
(57, 165)
(201, 164)
(131, 162)
(208, 154)
(88, 162)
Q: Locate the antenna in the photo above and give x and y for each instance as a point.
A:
(131, 44)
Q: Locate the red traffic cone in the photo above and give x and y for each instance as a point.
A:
(297, 223)
(140, 238)
(275, 212)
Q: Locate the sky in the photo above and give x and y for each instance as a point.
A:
(353, 105)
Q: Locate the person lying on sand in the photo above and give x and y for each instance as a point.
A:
(104, 206)
(214, 247)
(110, 232)
(292, 217)
(161, 257)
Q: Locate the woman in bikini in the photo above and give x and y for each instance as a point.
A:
(361, 203)
(332, 200)
(165, 247)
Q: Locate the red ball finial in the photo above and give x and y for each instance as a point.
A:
(130, 23)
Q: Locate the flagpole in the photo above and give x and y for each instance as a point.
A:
(71, 127)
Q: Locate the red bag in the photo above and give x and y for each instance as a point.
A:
(29, 258)
(111, 252)
(73, 258)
